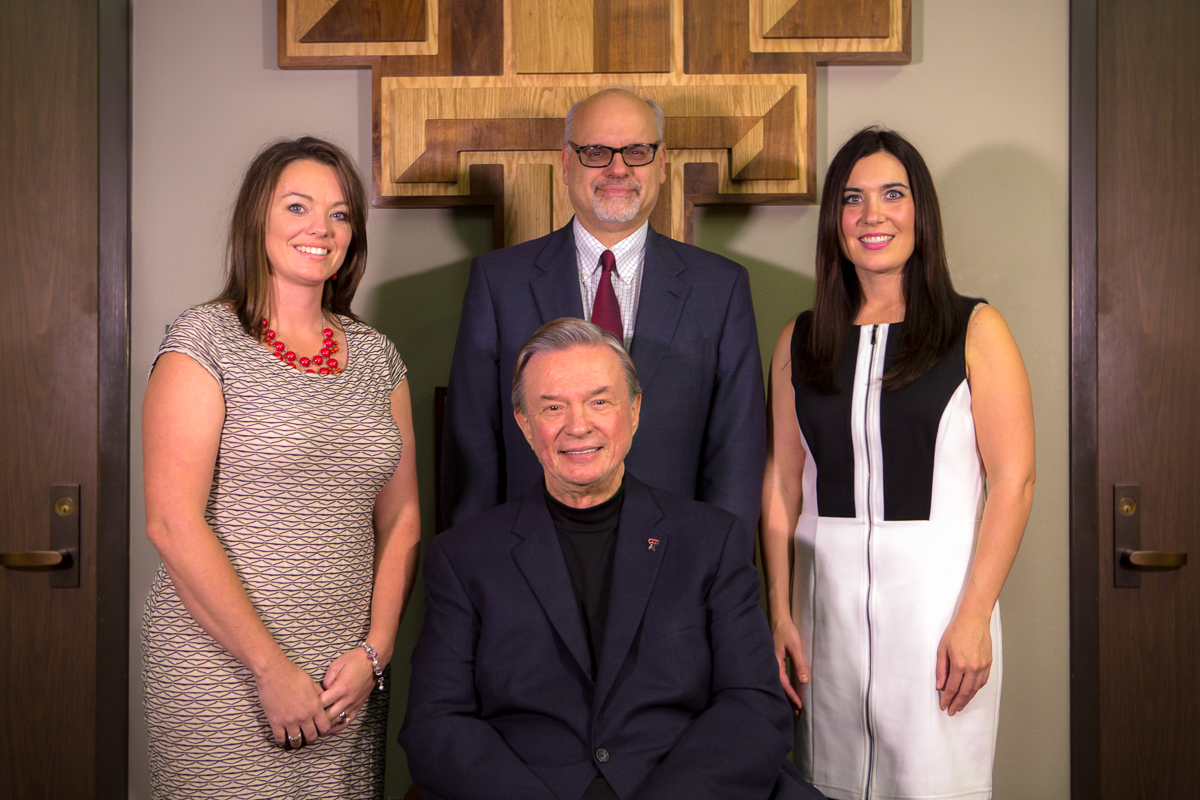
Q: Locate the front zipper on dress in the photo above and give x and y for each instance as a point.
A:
(870, 531)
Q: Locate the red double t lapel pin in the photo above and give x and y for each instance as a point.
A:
(653, 544)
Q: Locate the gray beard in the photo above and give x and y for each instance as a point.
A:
(617, 209)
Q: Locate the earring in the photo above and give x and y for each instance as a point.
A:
(333, 277)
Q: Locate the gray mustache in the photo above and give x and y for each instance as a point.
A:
(630, 184)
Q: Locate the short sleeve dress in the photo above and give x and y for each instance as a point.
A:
(301, 460)
(893, 496)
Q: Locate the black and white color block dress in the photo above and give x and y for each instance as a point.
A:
(893, 495)
(301, 460)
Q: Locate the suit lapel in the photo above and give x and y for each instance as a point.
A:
(635, 569)
(540, 559)
(660, 305)
(556, 290)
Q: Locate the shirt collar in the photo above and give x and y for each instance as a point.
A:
(629, 252)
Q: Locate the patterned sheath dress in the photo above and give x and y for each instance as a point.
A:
(893, 495)
(301, 460)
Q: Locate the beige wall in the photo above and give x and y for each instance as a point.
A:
(985, 100)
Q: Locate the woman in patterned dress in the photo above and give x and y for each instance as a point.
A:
(892, 402)
(276, 494)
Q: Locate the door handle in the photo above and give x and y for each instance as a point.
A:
(62, 559)
(37, 560)
(1129, 559)
(1152, 559)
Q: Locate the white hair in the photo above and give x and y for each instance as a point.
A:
(563, 334)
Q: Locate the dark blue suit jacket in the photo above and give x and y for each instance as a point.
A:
(695, 344)
(686, 702)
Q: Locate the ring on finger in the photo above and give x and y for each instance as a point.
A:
(295, 742)
(341, 718)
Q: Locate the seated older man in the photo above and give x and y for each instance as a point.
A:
(596, 638)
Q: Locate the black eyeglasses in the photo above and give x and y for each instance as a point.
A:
(598, 156)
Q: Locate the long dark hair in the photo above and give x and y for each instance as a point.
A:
(932, 309)
(248, 269)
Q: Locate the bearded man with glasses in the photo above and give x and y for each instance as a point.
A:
(683, 313)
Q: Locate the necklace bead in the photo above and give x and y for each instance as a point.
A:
(326, 365)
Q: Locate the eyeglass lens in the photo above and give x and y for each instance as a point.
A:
(634, 155)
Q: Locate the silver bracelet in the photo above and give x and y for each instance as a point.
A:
(378, 670)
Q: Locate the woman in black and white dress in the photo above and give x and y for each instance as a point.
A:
(281, 494)
(894, 403)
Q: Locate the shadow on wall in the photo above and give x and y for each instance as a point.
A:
(778, 293)
(995, 202)
(420, 314)
(998, 204)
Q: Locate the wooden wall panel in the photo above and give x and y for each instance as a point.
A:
(662, 218)
(472, 114)
(776, 157)
(528, 205)
(476, 41)
(298, 17)
(446, 138)
(553, 35)
(370, 21)
(817, 19)
(633, 36)
(892, 45)
(304, 14)
(717, 38)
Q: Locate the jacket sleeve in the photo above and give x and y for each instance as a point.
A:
(452, 753)
(472, 433)
(736, 747)
(734, 452)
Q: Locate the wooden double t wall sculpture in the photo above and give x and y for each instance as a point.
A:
(469, 95)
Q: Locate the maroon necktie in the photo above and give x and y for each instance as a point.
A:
(606, 312)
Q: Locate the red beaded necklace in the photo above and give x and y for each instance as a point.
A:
(324, 361)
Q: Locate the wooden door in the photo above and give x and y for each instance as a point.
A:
(1146, 704)
(63, 640)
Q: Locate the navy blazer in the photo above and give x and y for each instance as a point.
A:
(695, 344)
(686, 702)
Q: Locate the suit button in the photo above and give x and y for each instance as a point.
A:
(602, 755)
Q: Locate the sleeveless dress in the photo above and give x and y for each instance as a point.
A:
(301, 460)
(893, 495)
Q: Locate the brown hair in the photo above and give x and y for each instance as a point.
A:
(932, 309)
(563, 334)
(248, 269)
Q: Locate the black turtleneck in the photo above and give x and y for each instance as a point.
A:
(588, 537)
